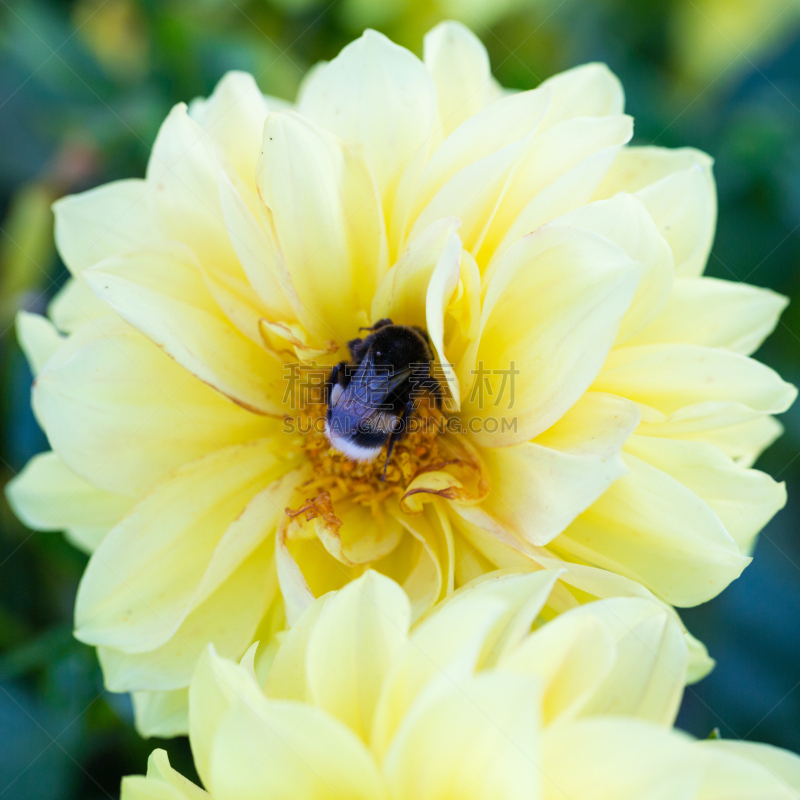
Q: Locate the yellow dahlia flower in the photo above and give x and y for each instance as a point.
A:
(466, 704)
(601, 406)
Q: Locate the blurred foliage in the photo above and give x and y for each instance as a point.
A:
(83, 88)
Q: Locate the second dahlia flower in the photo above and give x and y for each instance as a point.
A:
(466, 704)
(601, 408)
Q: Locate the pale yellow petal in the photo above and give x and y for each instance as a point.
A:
(417, 290)
(47, 495)
(619, 760)
(122, 413)
(523, 596)
(715, 313)
(741, 769)
(162, 782)
(104, 222)
(473, 193)
(571, 655)
(353, 645)
(254, 242)
(668, 377)
(744, 499)
(249, 747)
(459, 65)
(401, 295)
(651, 528)
(38, 339)
(590, 90)
(380, 95)
(647, 677)
(144, 578)
(684, 208)
(534, 194)
(624, 220)
(182, 176)
(163, 294)
(485, 144)
(589, 582)
(444, 647)
(75, 305)
(539, 487)
(735, 428)
(161, 714)
(677, 186)
(429, 570)
(326, 210)
(186, 170)
(477, 740)
(287, 679)
(226, 615)
(234, 116)
(552, 311)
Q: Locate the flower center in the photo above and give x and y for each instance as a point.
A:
(420, 450)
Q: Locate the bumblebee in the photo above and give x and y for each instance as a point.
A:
(371, 398)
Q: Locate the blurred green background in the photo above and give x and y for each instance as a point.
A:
(83, 88)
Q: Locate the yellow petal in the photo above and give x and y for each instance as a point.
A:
(746, 769)
(570, 655)
(477, 740)
(588, 583)
(247, 746)
(417, 290)
(744, 499)
(539, 487)
(459, 65)
(234, 116)
(484, 144)
(122, 413)
(380, 95)
(473, 193)
(47, 495)
(619, 760)
(715, 313)
(227, 615)
(651, 528)
(590, 90)
(326, 210)
(287, 679)
(104, 222)
(254, 242)
(624, 220)
(539, 189)
(162, 782)
(551, 313)
(444, 647)
(427, 555)
(523, 597)
(75, 305)
(619, 657)
(677, 187)
(38, 339)
(647, 677)
(144, 578)
(162, 294)
(182, 175)
(668, 377)
(745, 441)
(355, 641)
(736, 429)
(187, 171)
(161, 714)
